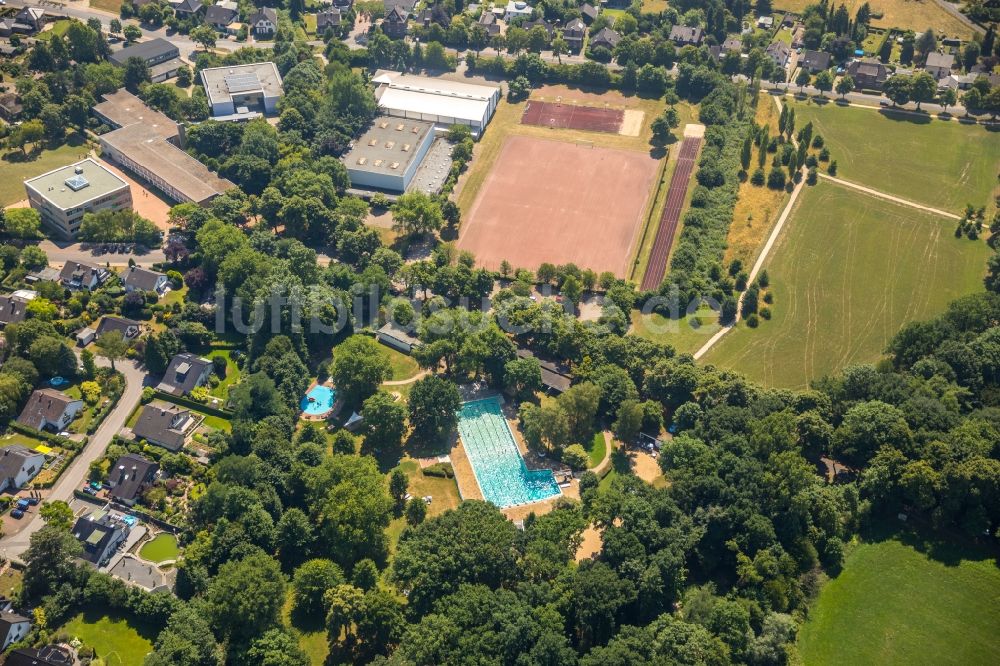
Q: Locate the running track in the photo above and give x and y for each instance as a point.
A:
(657, 266)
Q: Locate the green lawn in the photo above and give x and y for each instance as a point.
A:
(678, 333)
(895, 604)
(598, 447)
(232, 373)
(161, 548)
(117, 641)
(848, 271)
(17, 168)
(443, 491)
(403, 366)
(933, 162)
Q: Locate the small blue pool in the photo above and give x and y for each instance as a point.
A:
(58, 381)
(503, 477)
(319, 401)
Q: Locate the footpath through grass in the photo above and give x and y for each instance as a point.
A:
(902, 601)
(848, 271)
(943, 164)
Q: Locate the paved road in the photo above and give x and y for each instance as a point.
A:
(80, 10)
(13, 546)
(60, 253)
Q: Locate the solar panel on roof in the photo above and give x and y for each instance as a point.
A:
(237, 83)
(77, 182)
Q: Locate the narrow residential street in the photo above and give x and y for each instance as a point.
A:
(13, 546)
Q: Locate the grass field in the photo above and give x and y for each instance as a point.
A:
(161, 548)
(116, 641)
(16, 168)
(403, 366)
(895, 604)
(444, 494)
(679, 333)
(597, 450)
(847, 272)
(113, 6)
(232, 373)
(941, 164)
(916, 15)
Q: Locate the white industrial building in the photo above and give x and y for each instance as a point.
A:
(240, 92)
(435, 100)
(387, 156)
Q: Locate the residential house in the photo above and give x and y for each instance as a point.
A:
(222, 15)
(616, 4)
(765, 22)
(868, 74)
(540, 23)
(50, 655)
(166, 425)
(815, 61)
(517, 8)
(130, 477)
(939, 65)
(129, 328)
(573, 33)
(135, 278)
(779, 53)
(28, 21)
(588, 13)
(328, 19)
(730, 45)
(185, 373)
(12, 310)
(10, 106)
(425, 17)
(13, 628)
(80, 275)
(18, 466)
(407, 5)
(682, 35)
(343, 4)
(605, 37)
(49, 409)
(100, 534)
(396, 22)
(187, 8)
(263, 22)
(395, 336)
(489, 21)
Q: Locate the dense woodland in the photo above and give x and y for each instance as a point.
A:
(717, 567)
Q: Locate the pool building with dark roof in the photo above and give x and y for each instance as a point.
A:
(64, 195)
(386, 157)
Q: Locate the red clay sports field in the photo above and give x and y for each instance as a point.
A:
(570, 116)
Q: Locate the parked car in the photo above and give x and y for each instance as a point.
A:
(23, 504)
(17, 513)
(33, 501)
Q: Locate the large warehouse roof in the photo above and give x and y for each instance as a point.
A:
(425, 97)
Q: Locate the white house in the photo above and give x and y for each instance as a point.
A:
(13, 627)
(135, 278)
(18, 466)
(263, 22)
(49, 409)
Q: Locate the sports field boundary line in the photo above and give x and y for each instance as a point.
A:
(888, 197)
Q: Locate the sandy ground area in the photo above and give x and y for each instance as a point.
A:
(144, 200)
(645, 466)
(591, 543)
(632, 122)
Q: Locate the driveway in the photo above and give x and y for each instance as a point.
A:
(14, 546)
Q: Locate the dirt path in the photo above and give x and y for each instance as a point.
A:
(590, 544)
(771, 240)
(889, 197)
(404, 382)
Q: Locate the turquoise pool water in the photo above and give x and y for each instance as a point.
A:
(318, 401)
(499, 468)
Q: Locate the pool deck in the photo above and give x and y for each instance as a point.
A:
(468, 486)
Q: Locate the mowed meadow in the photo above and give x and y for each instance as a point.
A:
(937, 163)
(900, 600)
(848, 271)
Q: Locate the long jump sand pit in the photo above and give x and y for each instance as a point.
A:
(558, 202)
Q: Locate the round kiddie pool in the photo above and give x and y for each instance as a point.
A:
(58, 381)
(318, 402)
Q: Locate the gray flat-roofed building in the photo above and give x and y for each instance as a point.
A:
(146, 143)
(253, 88)
(387, 156)
(154, 52)
(64, 195)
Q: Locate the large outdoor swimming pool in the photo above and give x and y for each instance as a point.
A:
(503, 477)
(318, 401)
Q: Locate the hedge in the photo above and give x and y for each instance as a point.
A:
(57, 440)
(193, 404)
